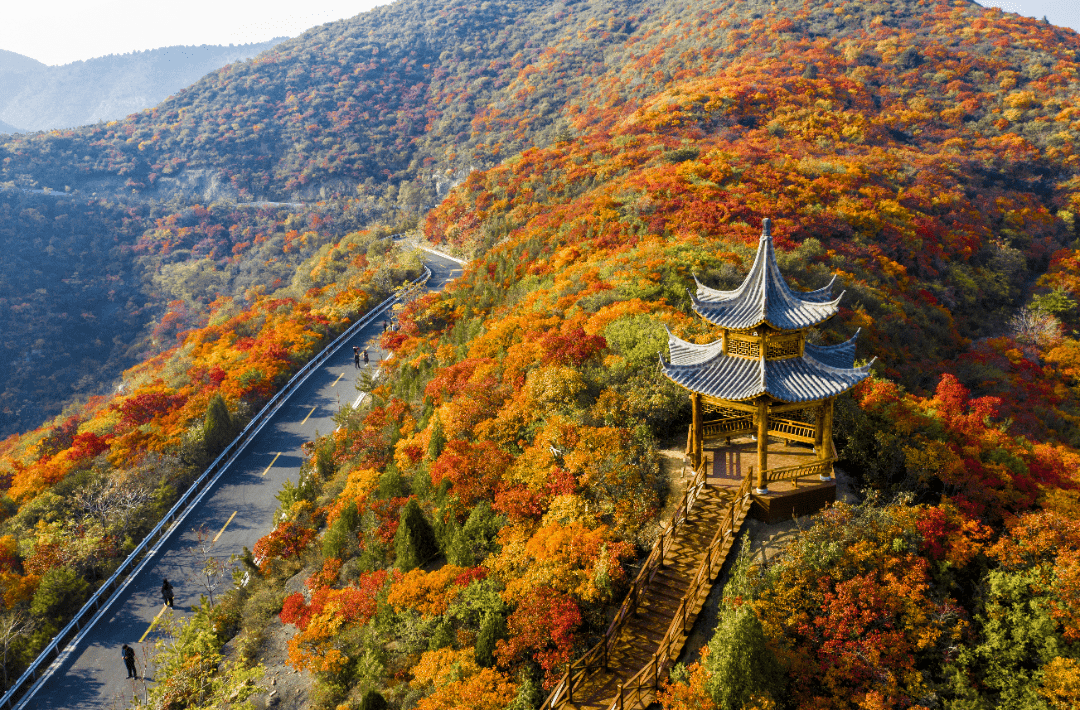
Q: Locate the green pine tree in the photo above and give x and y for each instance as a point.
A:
(741, 664)
(218, 427)
(443, 636)
(414, 543)
(438, 440)
(460, 552)
(338, 541)
(492, 628)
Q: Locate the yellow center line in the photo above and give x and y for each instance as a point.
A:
(338, 379)
(153, 623)
(226, 525)
(271, 464)
(309, 415)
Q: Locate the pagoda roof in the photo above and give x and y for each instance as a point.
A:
(842, 355)
(822, 371)
(765, 298)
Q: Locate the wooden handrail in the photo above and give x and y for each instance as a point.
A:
(742, 422)
(792, 428)
(631, 691)
(786, 473)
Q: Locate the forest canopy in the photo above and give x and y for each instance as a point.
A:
(464, 534)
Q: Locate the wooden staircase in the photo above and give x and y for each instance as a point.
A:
(624, 670)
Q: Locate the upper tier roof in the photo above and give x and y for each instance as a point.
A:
(765, 297)
(822, 371)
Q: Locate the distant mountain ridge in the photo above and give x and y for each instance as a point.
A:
(38, 97)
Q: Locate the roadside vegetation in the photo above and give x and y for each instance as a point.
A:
(81, 493)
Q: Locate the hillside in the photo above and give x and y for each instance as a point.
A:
(362, 148)
(389, 109)
(91, 286)
(922, 151)
(37, 97)
(465, 533)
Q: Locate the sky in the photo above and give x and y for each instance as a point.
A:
(1065, 13)
(64, 31)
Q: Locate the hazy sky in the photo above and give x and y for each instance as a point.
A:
(1065, 13)
(62, 31)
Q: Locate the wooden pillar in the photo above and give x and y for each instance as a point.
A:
(697, 427)
(827, 450)
(819, 424)
(761, 484)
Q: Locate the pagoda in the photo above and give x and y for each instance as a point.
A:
(762, 378)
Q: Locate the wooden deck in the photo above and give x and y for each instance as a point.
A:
(728, 465)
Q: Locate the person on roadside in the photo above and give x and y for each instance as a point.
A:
(356, 356)
(128, 654)
(365, 357)
(167, 592)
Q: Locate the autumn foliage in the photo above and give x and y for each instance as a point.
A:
(923, 151)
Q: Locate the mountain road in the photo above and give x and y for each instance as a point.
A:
(234, 514)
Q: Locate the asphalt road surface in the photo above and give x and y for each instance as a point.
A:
(236, 513)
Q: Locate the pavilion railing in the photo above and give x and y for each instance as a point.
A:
(728, 426)
(641, 689)
(792, 429)
(819, 467)
(596, 658)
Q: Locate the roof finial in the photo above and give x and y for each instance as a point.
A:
(766, 228)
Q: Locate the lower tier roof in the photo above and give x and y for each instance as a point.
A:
(821, 372)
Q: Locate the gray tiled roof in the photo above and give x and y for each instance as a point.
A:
(684, 353)
(765, 297)
(706, 369)
(842, 355)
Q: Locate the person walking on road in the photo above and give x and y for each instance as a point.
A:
(365, 357)
(167, 593)
(356, 356)
(128, 653)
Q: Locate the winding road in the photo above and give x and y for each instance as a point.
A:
(235, 513)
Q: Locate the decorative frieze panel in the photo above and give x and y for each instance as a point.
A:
(743, 346)
(777, 347)
(783, 346)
